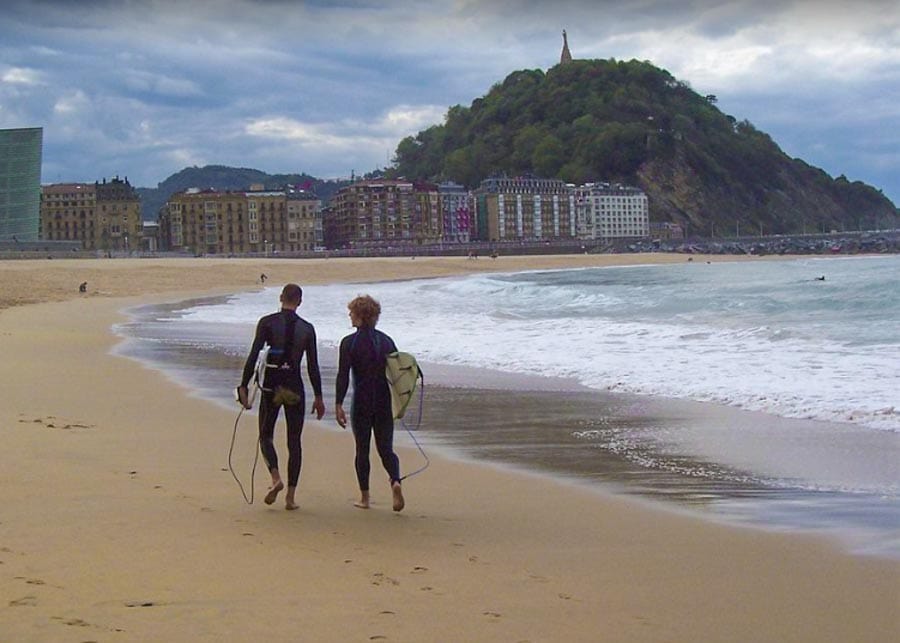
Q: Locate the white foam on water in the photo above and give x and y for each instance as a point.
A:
(649, 335)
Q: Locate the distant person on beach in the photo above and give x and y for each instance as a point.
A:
(262, 278)
(364, 352)
(82, 287)
(288, 337)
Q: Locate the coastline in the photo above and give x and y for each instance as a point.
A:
(559, 428)
(120, 519)
(30, 281)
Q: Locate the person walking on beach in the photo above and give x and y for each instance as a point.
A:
(364, 352)
(288, 337)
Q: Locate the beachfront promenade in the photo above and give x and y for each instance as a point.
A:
(862, 242)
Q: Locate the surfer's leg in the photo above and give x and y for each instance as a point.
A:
(268, 415)
(383, 427)
(362, 433)
(294, 416)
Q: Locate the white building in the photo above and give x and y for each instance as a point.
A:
(605, 211)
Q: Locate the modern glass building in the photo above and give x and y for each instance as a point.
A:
(20, 183)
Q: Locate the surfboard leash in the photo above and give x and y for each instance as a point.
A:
(248, 500)
(412, 435)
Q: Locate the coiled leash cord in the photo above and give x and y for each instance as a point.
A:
(248, 500)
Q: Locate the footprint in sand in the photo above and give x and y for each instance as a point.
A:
(52, 422)
(25, 601)
(379, 579)
(492, 614)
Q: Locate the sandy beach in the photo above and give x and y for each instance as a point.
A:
(121, 522)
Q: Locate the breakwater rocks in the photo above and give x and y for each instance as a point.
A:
(872, 242)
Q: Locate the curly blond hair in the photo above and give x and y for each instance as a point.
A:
(365, 309)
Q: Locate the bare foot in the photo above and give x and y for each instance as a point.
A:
(363, 502)
(290, 505)
(273, 492)
(397, 490)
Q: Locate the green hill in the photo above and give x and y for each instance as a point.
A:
(631, 122)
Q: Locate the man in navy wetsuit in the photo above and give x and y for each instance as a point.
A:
(288, 337)
(365, 352)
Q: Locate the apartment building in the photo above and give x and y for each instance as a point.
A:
(104, 216)
(456, 213)
(378, 213)
(607, 211)
(524, 209)
(427, 221)
(240, 222)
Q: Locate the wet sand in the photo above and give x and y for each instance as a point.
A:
(693, 456)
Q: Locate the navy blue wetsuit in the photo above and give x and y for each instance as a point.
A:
(289, 337)
(364, 352)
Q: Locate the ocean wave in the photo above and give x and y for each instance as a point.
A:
(752, 335)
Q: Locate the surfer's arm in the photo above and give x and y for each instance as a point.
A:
(392, 347)
(250, 365)
(342, 381)
(312, 364)
(312, 370)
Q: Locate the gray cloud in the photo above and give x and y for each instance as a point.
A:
(145, 88)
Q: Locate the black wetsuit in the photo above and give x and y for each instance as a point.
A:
(364, 352)
(288, 337)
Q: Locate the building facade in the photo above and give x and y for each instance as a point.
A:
(608, 211)
(378, 213)
(456, 213)
(104, 216)
(427, 222)
(241, 222)
(524, 209)
(20, 183)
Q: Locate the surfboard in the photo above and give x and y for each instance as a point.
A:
(403, 374)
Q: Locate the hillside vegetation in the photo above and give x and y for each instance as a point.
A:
(631, 122)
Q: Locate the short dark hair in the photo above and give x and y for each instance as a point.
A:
(292, 293)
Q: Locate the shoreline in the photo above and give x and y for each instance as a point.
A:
(540, 441)
(31, 281)
(120, 521)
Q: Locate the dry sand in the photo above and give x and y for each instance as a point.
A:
(120, 522)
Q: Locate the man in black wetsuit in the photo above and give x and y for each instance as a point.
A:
(288, 337)
(364, 352)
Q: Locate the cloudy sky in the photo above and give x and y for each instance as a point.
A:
(145, 88)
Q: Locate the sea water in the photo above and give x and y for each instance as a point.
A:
(803, 354)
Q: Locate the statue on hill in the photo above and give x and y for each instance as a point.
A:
(566, 56)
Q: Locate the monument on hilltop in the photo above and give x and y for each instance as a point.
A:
(566, 56)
